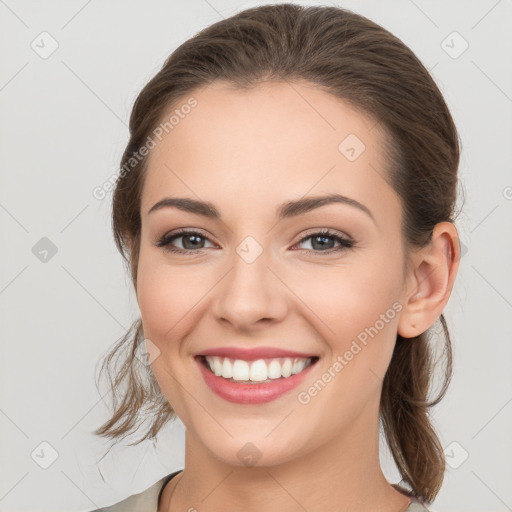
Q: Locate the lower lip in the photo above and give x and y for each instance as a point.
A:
(251, 393)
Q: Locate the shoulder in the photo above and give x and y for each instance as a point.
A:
(416, 504)
(146, 500)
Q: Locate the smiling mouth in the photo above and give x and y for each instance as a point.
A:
(259, 371)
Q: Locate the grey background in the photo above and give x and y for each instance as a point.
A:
(63, 129)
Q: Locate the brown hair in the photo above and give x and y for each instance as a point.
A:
(360, 62)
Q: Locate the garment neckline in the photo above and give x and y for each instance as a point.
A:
(166, 480)
(406, 492)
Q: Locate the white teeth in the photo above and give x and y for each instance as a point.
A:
(286, 369)
(240, 370)
(296, 368)
(256, 371)
(217, 366)
(274, 370)
(227, 369)
(259, 371)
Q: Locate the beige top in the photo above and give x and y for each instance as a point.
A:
(147, 501)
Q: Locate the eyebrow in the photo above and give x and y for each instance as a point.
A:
(286, 210)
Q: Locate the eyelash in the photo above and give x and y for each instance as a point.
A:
(165, 242)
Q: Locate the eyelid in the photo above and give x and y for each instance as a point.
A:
(172, 235)
(345, 242)
(326, 231)
(309, 232)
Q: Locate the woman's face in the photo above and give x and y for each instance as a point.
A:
(251, 277)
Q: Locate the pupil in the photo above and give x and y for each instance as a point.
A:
(321, 238)
(194, 237)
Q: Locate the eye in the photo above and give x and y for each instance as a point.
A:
(321, 239)
(192, 241)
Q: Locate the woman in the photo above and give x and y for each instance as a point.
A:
(286, 206)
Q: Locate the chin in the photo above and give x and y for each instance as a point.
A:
(247, 451)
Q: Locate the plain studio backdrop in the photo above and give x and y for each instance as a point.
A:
(69, 75)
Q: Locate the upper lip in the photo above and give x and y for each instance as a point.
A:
(251, 354)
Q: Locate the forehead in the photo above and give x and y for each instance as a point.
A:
(277, 140)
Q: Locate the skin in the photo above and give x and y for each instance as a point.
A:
(247, 152)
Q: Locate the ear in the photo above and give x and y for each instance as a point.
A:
(429, 284)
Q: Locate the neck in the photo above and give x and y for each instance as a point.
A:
(345, 470)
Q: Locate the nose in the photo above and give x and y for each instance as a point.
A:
(250, 295)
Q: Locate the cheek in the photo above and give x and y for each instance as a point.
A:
(351, 299)
(357, 317)
(169, 296)
(164, 294)
(356, 305)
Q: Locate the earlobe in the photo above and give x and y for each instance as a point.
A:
(430, 284)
